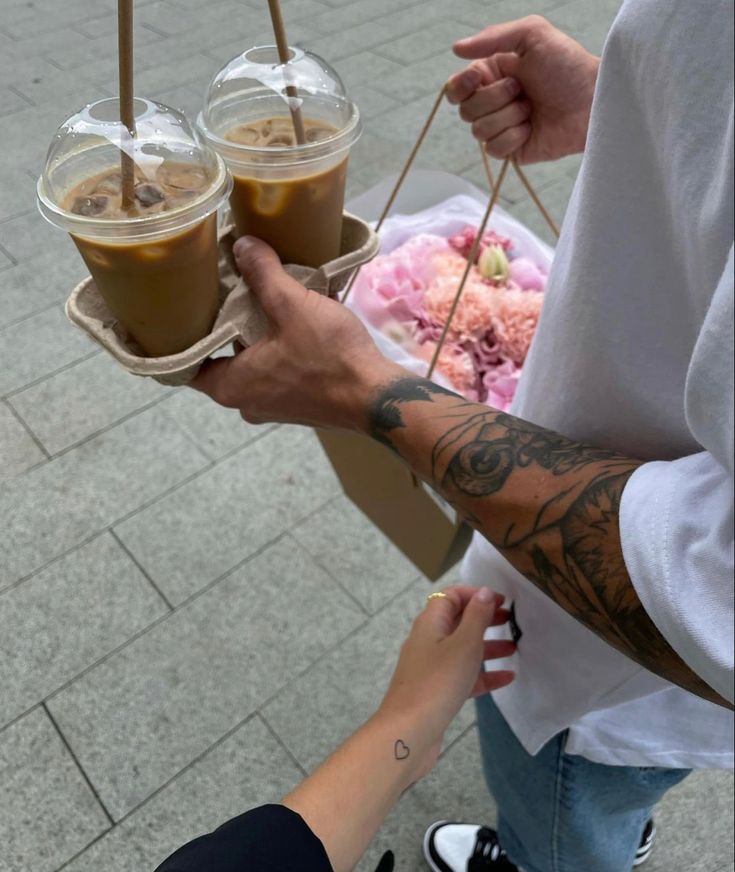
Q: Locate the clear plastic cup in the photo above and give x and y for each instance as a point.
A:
(290, 195)
(156, 265)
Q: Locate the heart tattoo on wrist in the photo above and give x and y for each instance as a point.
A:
(401, 750)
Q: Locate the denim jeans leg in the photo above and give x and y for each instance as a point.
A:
(563, 813)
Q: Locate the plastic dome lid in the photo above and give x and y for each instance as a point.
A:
(171, 157)
(253, 87)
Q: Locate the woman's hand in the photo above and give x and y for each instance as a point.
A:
(441, 665)
(347, 798)
(528, 92)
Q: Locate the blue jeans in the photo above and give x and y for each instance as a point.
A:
(562, 813)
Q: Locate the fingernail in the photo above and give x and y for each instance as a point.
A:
(485, 595)
(242, 245)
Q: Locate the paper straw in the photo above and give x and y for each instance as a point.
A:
(279, 29)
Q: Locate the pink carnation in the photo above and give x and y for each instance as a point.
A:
(456, 365)
(472, 319)
(515, 316)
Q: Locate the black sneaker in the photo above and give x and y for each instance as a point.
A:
(646, 845)
(455, 847)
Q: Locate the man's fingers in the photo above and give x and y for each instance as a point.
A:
(491, 98)
(510, 37)
(214, 379)
(462, 85)
(487, 682)
(509, 141)
(491, 126)
(264, 275)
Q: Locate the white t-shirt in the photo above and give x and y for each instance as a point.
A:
(635, 352)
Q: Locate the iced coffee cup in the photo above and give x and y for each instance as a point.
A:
(289, 194)
(154, 261)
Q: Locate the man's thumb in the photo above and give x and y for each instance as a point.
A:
(264, 275)
(510, 37)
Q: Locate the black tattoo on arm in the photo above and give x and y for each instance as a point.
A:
(550, 505)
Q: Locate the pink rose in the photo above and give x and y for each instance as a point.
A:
(526, 274)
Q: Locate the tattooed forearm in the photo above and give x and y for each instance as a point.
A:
(550, 505)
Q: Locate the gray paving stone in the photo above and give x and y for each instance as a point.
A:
(32, 19)
(187, 98)
(49, 85)
(420, 79)
(370, 101)
(215, 430)
(140, 717)
(540, 175)
(391, 135)
(555, 199)
(38, 346)
(68, 58)
(248, 769)
(200, 531)
(49, 813)
(166, 76)
(355, 39)
(29, 136)
(349, 683)
(300, 34)
(455, 790)
(578, 15)
(695, 825)
(17, 188)
(424, 43)
(67, 617)
(79, 401)
(10, 102)
(355, 553)
(63, 503)
(38, 283)
(383, 14)
(17, 448)
(28, 234)
(361, 68)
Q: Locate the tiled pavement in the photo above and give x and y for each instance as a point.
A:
(191, 616)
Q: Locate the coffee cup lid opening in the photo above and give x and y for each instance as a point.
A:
(179, 178)
(254, 87)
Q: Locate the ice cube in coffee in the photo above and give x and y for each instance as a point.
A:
(154, 260)
(287, 193)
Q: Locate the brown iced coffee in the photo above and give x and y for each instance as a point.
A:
(300, 216)
(164, 291)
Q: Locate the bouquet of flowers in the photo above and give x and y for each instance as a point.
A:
(407, 292)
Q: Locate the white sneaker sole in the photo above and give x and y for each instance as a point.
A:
(427, 840)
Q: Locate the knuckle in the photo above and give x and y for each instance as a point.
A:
(536, 21)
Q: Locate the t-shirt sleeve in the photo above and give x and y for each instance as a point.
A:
(271, 838)
(676, 517)
(676, 528)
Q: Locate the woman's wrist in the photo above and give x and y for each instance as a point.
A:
(410, 738)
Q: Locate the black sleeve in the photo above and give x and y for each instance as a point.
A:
(271, 838)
